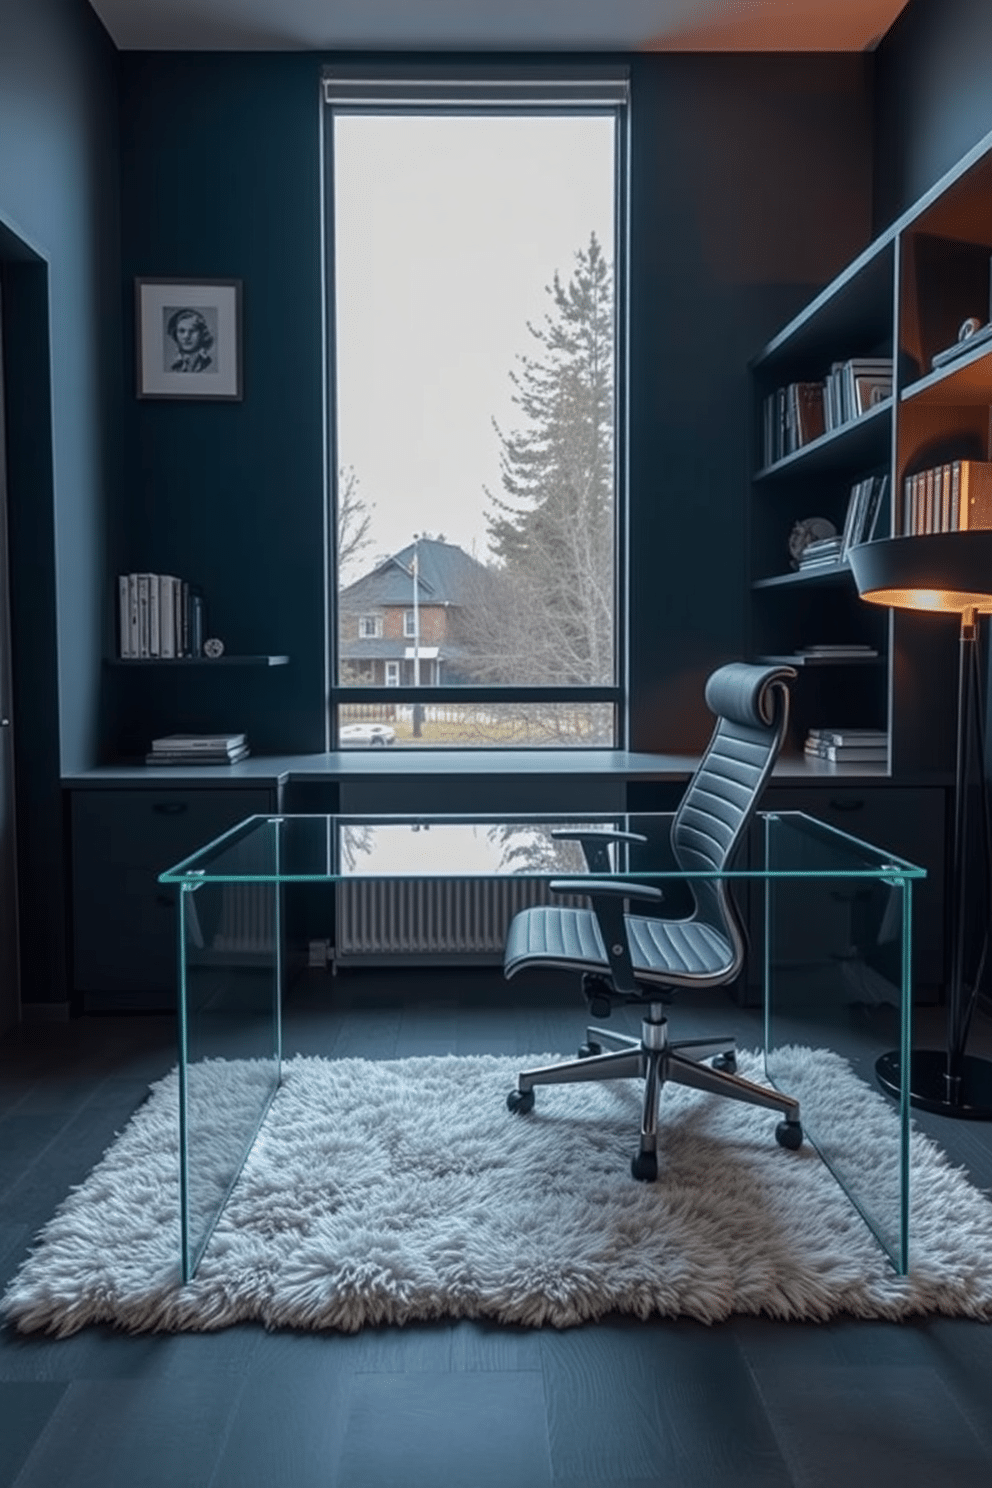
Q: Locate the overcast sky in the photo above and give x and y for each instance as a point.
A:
(446, 231)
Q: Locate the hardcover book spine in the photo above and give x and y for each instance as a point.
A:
(132, 597)
(144, 636)
(154, 637)
(976, 496)
(166, 623)
(123, 618)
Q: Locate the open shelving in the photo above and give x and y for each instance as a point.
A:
(905, 296)
(188, 661)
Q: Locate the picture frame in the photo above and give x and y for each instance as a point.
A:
(188, 338)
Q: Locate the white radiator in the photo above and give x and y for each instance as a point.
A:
(430, 916)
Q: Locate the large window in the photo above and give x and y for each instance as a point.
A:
(475, 233)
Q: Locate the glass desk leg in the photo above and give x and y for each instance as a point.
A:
(837, 962)
(230, 1042)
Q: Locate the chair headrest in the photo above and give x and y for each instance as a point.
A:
(747, 694)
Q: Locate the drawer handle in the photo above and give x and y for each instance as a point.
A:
(847, 805)
(170, 808)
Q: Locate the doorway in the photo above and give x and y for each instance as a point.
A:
(10, 982)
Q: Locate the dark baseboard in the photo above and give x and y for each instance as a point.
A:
(44, 1012)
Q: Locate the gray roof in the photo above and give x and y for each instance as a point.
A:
(445, 570)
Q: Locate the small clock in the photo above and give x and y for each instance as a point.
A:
(213, 648)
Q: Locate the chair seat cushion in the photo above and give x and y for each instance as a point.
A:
(671, 952)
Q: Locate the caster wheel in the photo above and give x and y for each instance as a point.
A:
(789, 1134)
(644, 1166)
(520, 1101)
(725, 1062)
(586, 1051)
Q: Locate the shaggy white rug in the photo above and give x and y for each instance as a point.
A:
(402, 1190)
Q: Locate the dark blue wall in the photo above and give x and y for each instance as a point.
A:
(59, 263)
(220, 177)
(751, 187)
(933, 97)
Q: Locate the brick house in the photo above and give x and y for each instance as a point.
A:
(383, 631)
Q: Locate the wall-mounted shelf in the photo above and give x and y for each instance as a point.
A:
(861, 441)
(802, 659)
(830, 573)
(961, 382)
(192, 661)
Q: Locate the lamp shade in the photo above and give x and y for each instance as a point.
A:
(939, 571)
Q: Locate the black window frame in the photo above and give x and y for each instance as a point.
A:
(471, 89)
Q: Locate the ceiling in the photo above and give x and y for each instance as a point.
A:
(495, 25)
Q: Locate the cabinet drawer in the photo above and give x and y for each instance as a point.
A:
(123, 920)
(157, 827)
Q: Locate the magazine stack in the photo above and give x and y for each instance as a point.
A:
(198, 749)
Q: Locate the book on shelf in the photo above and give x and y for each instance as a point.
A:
(969, 343)
(953, 497)
(855, 387)
(792, 416)
(193, 743)
(867, 508)
(852, 754)
(160, 617)
(197, 757)
(860, 736)
(839, 648)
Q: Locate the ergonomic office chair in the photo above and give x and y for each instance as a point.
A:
(629, 958)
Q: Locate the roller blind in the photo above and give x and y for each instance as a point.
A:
(352, 87)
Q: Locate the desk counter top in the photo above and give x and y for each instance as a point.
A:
(373, 764)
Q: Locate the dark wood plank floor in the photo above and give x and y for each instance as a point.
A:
(747, 1402)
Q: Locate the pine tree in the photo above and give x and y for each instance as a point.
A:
(551, 531)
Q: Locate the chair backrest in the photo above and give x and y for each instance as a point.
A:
(752, 708)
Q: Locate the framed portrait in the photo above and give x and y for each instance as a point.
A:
(188, 334)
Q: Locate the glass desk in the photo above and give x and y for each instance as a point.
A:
(829, 917)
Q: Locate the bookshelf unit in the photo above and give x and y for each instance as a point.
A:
(188, 661)
(904, 297)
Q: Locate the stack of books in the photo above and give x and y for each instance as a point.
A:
(822, 552)
(848, 745)
(837, 651)
(198, 749)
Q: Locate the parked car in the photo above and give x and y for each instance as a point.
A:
(366, 735)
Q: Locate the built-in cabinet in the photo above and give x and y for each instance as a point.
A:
(123, 921)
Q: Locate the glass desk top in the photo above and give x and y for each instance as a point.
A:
(829, 919)
(293, 849)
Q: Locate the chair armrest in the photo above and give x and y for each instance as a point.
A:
(596, 834)
(607, 899)
(618, 888)
(595, 843)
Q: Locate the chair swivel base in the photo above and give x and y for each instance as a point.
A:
(655, 1060)
(928, 1085)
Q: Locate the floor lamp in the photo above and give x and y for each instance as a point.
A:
(946, 573)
